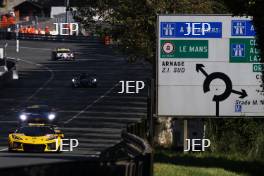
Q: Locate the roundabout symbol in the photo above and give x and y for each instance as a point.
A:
(222, 76)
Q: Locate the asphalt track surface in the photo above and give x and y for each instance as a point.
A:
(94, 116)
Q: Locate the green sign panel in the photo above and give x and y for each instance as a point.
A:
(258, 67)
(243, 50)
(184, 48)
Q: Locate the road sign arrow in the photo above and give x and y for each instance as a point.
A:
(199, 67)
(243, 93)
(223, 77)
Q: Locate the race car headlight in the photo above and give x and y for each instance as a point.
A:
(94, 80)
(71, 55)
(23, 117)
(16, 137)
(51, 116)
(73, 80)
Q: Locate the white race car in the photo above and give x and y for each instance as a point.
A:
(62, 54)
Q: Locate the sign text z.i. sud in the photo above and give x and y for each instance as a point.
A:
(191, 30)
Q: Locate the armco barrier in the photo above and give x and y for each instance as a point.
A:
(139, 128)
(134, 153)
(61, 38)
(39, 37)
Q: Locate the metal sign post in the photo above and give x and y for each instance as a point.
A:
(5, 53)
(1, 53)
(67, 9)
(185, 135)
(17, 40)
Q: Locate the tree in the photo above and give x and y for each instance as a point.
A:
(252, 8)
(133, 23)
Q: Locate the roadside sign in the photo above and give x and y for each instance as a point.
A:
(208, 65)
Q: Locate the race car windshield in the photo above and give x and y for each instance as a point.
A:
(37, 110)
(35, 131)
(63, 51)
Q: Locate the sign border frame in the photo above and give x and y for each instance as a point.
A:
(157, 71)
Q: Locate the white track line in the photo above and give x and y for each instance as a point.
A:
(25, 47)
(4, 149)
(90, 105)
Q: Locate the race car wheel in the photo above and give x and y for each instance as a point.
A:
(9, 148)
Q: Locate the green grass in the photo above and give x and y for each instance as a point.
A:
(169, 163)
(161, 169)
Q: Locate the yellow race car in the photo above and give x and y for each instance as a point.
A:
(35, 138)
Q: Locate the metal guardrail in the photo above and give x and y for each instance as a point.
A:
(38, 37)
(140, 128)
(133, 153)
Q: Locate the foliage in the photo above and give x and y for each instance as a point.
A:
(205, 163)
(242, 136)
(245, 136)
(133, 23)
(251, 8)
(164, 169)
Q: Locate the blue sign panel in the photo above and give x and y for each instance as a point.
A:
(168, 29)
(238, 108)
(191, 29)
(242, 28)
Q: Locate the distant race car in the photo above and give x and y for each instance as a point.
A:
(37, 114)
(84, 80)
(62, 54)
(35, 138)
